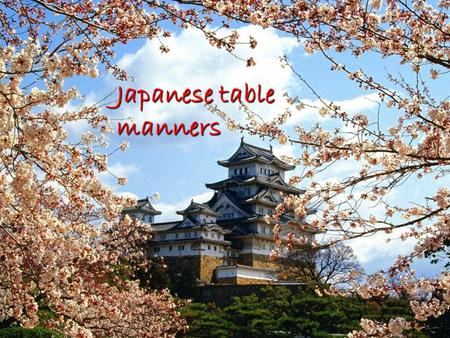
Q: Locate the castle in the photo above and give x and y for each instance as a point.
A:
(227, 239)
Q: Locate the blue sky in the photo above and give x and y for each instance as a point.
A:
(179, 167)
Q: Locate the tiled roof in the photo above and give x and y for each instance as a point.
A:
(143, 205)
(248, 152)
(195, 208)
(274, 181)
(164, 226)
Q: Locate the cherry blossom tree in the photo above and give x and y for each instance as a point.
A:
(63, 245)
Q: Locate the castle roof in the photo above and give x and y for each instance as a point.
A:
(230, 196)
(197, 208)
(265, 196)
(274, 181)
(143, 205)
(249, 153)
(164, 226)
(185, 224)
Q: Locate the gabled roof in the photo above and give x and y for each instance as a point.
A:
(266, 196)
(230, 198)
(187, 223)
(237, 231)
(275, 181)
(164, 226)
(214, 226)
(235, 180)
(249, 153)
(197, 208)
(143, 205)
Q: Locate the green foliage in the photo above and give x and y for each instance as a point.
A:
(278, 312)
(175, 275)
(20, 332)
(155, 277)
(207, 321)
(183, 279)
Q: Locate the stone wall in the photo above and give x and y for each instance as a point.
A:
(243, 281)
(249, 281)
(207, 266)
(200, 267)
(222, 294)
(257, 261)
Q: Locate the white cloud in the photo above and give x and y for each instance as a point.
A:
(360, 104)
(169, 210)
(128, 194)
(122, 170)
(284, 150)
(376, 250)
(118, 169)
(193, 63)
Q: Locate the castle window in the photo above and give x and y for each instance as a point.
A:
(209, 247)
(187, 234)
(261, 170)
(235, 172)
(180, 247)
(261, 210)
(215, 248)
(176, 235)
(246, 170)
(240, 171)
(264, 230)
(195, 233)
(156, 249)
(162, 236)
(170, 248)
(212, 235)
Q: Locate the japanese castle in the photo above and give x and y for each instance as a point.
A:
(227, 240)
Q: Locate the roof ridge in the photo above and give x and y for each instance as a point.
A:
(257, 147)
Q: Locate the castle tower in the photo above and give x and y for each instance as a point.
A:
(143, 211)
(196, 242)
(254, 187)
(228, 239)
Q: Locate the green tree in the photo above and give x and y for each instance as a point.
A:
(279, 312)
